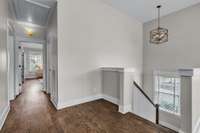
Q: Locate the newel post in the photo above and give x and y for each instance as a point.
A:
(157, 113)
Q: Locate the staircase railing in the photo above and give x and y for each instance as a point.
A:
(149, 99)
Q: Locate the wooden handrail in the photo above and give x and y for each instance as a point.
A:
(149, 99)
(140, 89)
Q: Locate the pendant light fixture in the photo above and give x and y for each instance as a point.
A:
(159, 35)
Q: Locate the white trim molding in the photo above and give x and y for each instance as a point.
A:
(197, 127)
(110, 99)
(87, 99)
(54, 103)
(122, 109)
(4, 115)
(78, 101)
(170, 126)
(125, 109)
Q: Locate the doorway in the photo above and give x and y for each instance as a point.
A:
(29, 61)
(34, 31)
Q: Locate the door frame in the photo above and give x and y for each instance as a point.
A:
(18, 41)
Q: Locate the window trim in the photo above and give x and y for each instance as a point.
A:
(156, 74)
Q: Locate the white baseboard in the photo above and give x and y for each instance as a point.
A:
(54, 103)
(170, 126)
(125, 109)
(87, 99)
(4, 115)
(12, 98)
(78, 101)
(197, 127)
(110, 99)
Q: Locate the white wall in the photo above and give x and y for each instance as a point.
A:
(182, 50)
(11, 67)
(117, 87)
(4, 101)
(51, 47)
(91, 35)
(142, 107)
(111, 84)
(195, 102)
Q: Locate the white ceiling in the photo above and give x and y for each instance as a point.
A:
(31, 14)
(33, 11)
(145, 10)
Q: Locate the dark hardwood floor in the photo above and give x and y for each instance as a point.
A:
(32, 112)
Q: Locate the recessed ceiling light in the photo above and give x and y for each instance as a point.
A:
(38, 4)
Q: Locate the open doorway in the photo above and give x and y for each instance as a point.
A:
(34, 31)
(29, 61)
(33, 62)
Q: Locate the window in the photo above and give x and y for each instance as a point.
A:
(35, 62)
(168, 93)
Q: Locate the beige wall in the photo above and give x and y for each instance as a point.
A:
(91, 35)
(3, 61)
(182, 50)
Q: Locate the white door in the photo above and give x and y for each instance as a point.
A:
(18, 69)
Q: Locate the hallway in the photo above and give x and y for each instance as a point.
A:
(32, 112)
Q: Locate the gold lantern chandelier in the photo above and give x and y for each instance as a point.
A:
(159, 35)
